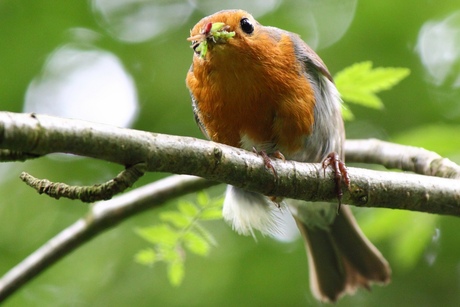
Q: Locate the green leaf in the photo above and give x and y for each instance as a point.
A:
(146, 257)
(359, 83)
(364, 98)
(211, 214)
(176, 272)
(196, 243)
(171, 253)
(159, 234)
(206, 234)
(217, 202)
(176, 218)
(202, 199)
(188, 208)
(180, 232)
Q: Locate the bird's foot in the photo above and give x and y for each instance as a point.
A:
(340, 173)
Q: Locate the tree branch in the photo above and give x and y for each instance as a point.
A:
(40, 135)
(30, 135)
(406, 158)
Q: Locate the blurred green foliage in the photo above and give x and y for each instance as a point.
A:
(422, 111)
(178, 232)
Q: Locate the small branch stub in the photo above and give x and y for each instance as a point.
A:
(358, 194)
(88, 194)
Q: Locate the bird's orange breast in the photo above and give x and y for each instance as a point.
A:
(253, 88)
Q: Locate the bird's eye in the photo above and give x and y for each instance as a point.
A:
(246, 26)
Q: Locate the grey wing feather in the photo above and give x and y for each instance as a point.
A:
(308, 57)
(328, 132)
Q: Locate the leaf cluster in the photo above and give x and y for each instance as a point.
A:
(180, 231)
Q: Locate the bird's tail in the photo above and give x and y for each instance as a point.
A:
(341, 258)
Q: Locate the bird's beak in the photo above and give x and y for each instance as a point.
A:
(213, 33)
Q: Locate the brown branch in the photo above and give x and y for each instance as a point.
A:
(40, 135)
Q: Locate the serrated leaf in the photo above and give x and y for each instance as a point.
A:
(170, 243)
(211, 214)
(171, 253)
(377, 79)
(176, 218)
(206, 234)
(202, 199)
(146, 257)
(159, 234)
(176, 272)
(196, 243)
(217, 202)
(188, 208)
(359, 83)
(363, 98)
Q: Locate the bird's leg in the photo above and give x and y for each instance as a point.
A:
(268, 164)
(340, 173)
(267, 160)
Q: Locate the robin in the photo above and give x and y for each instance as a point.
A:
(263, 88)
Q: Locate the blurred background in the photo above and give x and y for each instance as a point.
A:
(123, 62)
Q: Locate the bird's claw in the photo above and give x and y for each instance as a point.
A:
(267, 160)
(340, 173)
